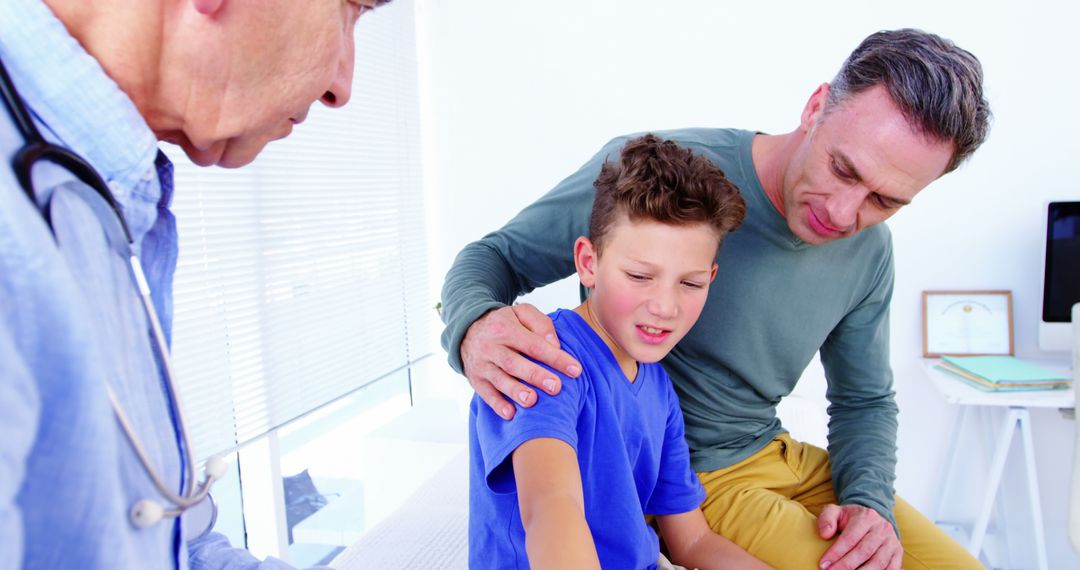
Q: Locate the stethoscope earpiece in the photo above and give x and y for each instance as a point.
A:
(147, 513)
(215, 467)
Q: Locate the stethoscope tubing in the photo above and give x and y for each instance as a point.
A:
(188, 499)
(37, 148)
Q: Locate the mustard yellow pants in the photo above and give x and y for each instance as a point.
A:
(769, 503)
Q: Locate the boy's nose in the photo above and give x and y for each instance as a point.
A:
(663, 305)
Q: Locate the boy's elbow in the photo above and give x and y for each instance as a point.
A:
(687, 536)
(682, 552)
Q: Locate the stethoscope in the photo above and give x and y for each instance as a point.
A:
(145, 512)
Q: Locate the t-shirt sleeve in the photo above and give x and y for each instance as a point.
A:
(552, 417)
(678, 489)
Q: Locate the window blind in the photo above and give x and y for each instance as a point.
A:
(302, 276)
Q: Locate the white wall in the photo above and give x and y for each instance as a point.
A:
(519, 94)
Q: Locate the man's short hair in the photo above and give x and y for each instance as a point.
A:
(656, 179)
(937, 85)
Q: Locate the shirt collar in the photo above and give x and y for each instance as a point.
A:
(77, 103)
(753, 192)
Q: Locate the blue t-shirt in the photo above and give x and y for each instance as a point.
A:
(630, 448)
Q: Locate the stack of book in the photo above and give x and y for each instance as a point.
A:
(1003, 374)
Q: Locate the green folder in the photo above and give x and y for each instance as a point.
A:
(1005, 370)
(976, 382)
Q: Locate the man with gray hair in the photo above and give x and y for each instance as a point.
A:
(810, 271)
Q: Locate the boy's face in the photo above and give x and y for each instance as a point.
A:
(648, 286)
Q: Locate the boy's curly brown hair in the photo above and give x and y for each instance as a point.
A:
(656, 179)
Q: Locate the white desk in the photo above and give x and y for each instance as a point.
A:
(1017, 416)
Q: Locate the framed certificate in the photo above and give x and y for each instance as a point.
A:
(967, 323)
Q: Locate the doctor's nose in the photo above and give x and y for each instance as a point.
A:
(340, 90)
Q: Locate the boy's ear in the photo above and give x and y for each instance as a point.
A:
(585, 261)
(712, 275)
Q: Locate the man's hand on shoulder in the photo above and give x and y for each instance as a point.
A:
(492, 354)
(866, 539)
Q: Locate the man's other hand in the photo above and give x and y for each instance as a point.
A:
(492, 355)
(866, 539)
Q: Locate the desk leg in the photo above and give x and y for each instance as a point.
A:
(1033, 487)
(999, 515)
(997, 466)
(950, 461)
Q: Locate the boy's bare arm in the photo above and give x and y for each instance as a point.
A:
(553, 506)
(694, 545)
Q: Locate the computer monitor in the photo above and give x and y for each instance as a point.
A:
(1061, 275)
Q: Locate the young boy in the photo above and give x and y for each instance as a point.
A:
(567, 483)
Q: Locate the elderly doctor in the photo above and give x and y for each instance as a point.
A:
(94, 471)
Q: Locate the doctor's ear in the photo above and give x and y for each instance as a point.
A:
(585, 258)
(207, 7)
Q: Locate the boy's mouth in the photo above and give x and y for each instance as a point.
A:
(652, 335)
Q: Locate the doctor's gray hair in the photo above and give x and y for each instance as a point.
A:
(937, 85)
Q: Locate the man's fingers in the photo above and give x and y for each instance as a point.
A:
(836, 557)
(543, 352)
(514, 365)
(537, 322)
(490, 337)
(490, 352)
(829, 521)
(852, 531)
(866, 540)
(867, 552)
(897, 560)
(492, 357)
(493, 398)
(543, 344)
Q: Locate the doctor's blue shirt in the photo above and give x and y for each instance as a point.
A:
(71, 320)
